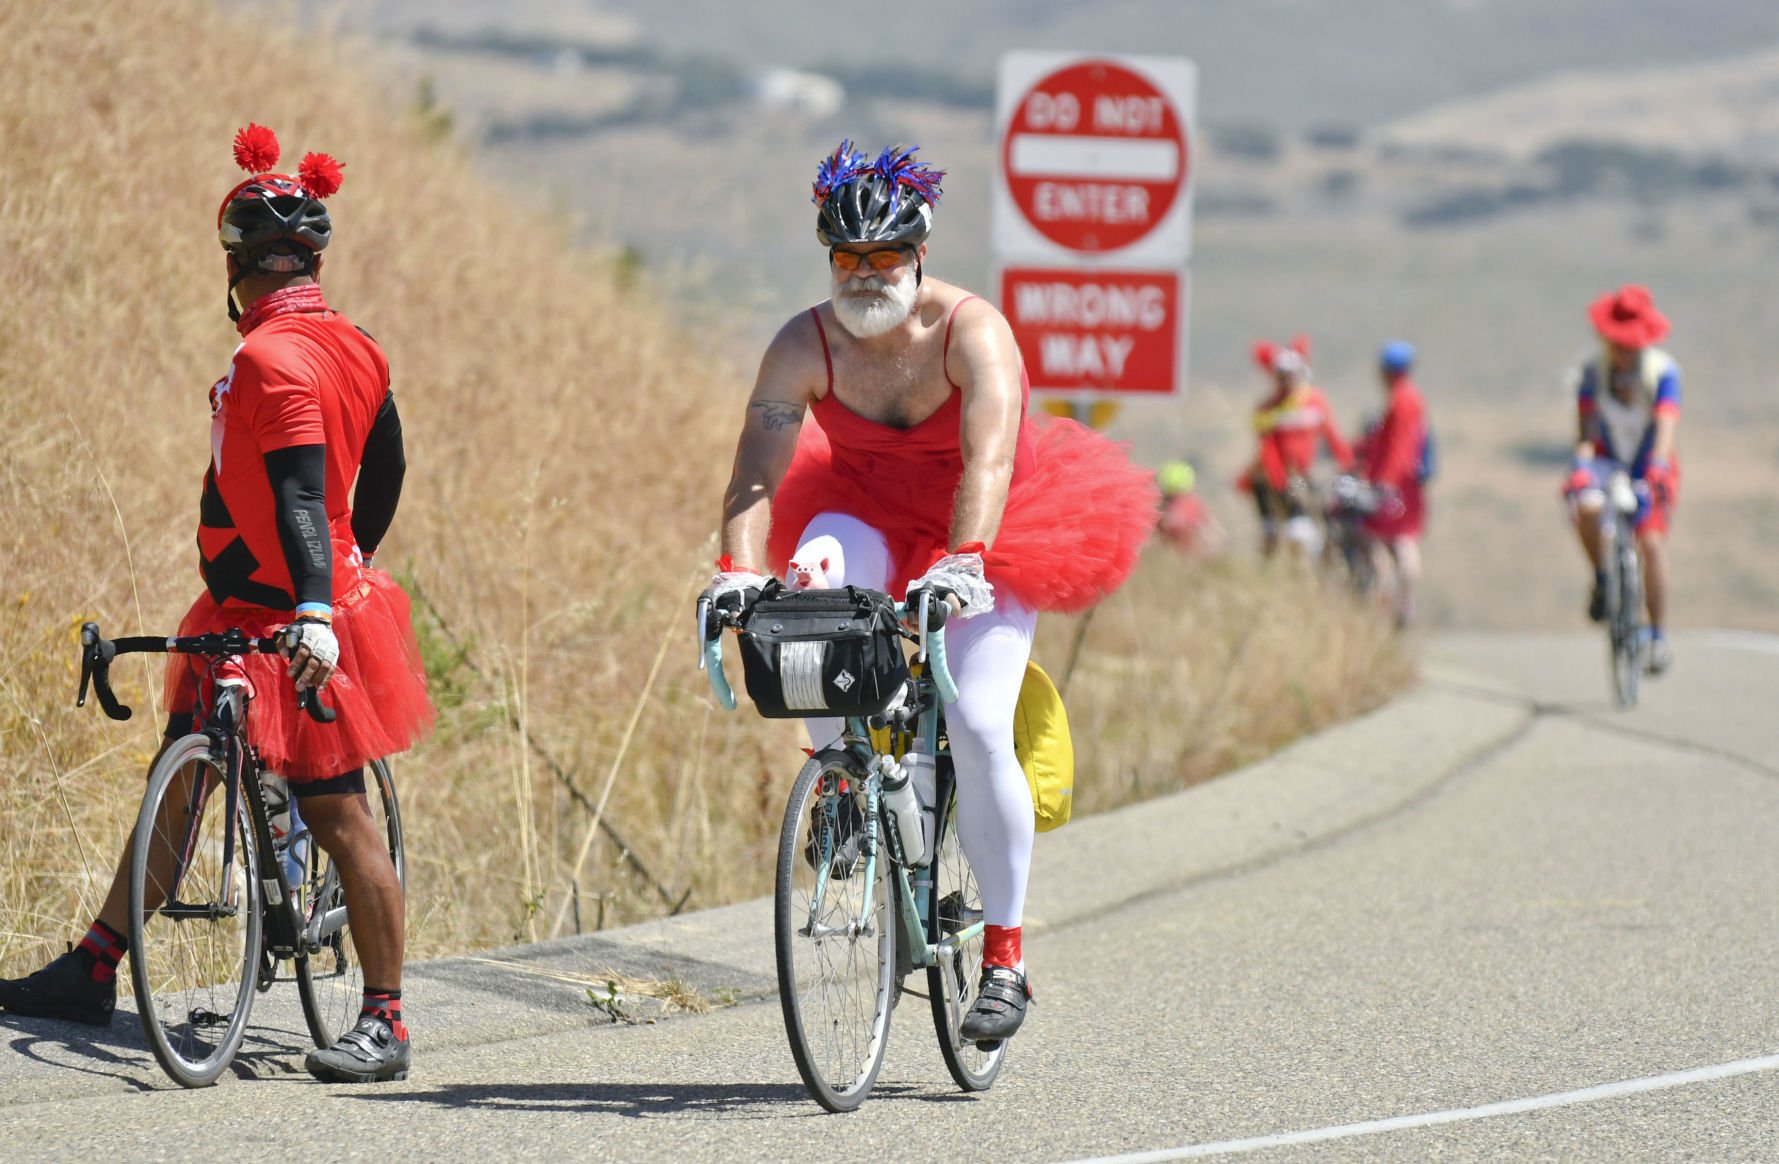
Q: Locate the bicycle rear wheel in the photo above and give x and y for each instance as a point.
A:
(836, 955)
(330, 981)
(953, 977)
(194, 915)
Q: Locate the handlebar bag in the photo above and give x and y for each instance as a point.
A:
(822, 652)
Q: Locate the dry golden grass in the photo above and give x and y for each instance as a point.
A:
(568, 441)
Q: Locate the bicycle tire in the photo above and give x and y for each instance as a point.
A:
(837, 989)
(181, 960)
(1628, 644)
(951, 982)
(332, 989)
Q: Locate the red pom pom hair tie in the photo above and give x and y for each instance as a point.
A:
(320, 175)
(256, 149)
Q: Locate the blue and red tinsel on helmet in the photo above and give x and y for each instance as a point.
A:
(896, 165)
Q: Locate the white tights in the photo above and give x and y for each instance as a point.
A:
(987, 655)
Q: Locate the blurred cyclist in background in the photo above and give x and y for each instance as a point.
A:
(1397, 464)
(1290, 423)
(1627, 401)
(1185, 523)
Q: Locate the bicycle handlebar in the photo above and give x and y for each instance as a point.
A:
(712, 620)
(97, 653)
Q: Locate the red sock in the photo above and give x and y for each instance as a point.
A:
(386, 1005)
(1000, 946)
(106, 947)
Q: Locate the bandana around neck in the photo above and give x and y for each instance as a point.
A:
(306, 297)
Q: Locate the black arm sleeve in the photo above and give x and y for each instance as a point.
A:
(299, 500)
(380, 473)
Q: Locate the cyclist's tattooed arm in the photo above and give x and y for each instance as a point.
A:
(777, 414)
(984, 363)
(791, 373)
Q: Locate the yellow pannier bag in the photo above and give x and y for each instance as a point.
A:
(1041, 741)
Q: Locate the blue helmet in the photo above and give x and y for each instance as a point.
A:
(1397, 356)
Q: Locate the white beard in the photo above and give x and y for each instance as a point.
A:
(871, 306)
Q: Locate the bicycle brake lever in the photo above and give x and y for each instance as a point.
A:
(704, 635)
(95, 664)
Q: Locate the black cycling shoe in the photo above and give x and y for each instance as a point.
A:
(1001, 998)
(368, 1053)
(65, 990)
(1597, 604)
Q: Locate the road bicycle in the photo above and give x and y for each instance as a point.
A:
(854, 912)
(216, 902)
(1626, 636)
(1350, 500)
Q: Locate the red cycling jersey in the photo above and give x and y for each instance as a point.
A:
(303, 378)
(1289, 427)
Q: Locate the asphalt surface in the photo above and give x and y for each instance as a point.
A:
(1495, 920)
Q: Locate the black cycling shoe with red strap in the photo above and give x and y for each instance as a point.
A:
(65, 989)
(371, 1052)
(1001, 999)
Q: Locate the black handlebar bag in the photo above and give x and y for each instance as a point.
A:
(822, 652)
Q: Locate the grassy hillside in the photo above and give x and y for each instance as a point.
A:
(568, 438)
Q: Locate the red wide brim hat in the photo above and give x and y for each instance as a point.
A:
(1627, 317)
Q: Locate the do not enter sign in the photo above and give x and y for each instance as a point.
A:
(1095, 157)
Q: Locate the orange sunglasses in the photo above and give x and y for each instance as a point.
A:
(884, 260)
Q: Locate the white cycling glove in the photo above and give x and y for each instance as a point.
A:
(960, 574)
(319, 638)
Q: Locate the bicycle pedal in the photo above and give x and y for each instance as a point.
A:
(989, 1046)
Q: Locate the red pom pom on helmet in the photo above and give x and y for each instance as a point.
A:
(256, 149)
(320, 175)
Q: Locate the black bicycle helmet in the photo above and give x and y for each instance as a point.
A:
(889, 200)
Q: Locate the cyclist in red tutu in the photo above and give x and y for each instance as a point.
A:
(889, 444)
(283, 539)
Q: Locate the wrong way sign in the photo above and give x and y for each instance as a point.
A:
(1095, 157)
(1097, 332)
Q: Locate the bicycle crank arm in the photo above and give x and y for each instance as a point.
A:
(951, 945)
(185, 911)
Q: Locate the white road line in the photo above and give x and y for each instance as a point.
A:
(1456, 1115)
(1744, 641)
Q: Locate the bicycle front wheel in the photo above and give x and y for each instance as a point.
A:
(330, 981)
(836, 934)
(1626, 607)
(194, 914)
(952, 978)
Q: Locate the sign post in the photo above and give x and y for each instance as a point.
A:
(1093, 220)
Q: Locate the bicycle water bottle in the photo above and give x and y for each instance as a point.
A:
(287, 823)
(923, 773)
(903, 802)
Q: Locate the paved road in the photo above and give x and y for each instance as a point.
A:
(1494, 892)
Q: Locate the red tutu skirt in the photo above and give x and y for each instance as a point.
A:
(1077, 515)
(378, 687)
